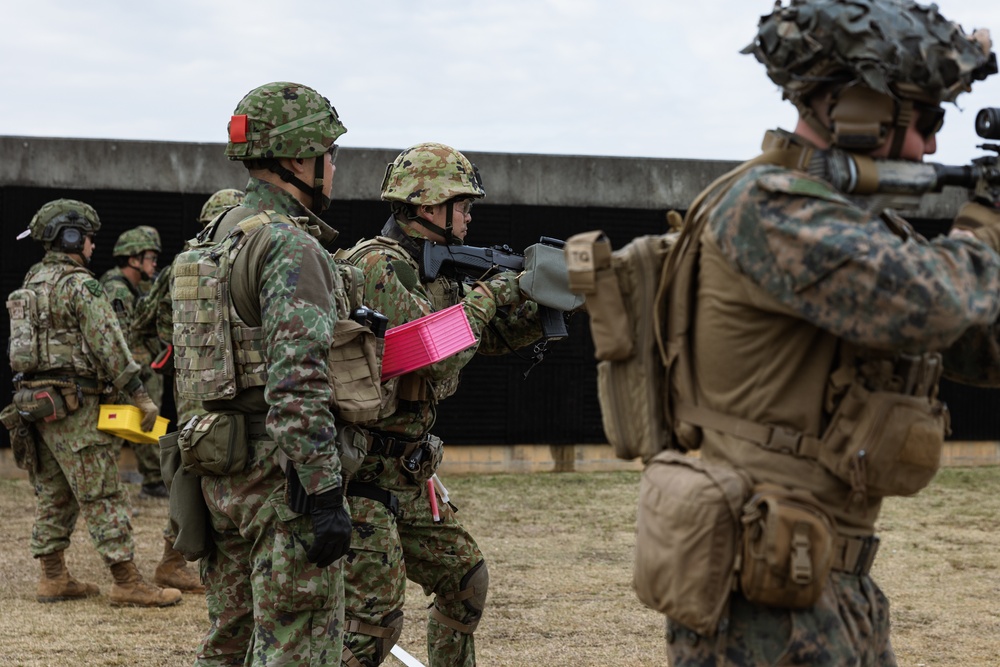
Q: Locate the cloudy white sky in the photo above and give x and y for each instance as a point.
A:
(651, 78)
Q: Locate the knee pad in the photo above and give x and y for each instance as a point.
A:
(472, 594)
(386, 635)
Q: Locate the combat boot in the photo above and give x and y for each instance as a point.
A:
(129, 590)
(173, 572)
(58, 584)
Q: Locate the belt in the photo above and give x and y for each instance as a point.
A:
(257, 427)
(88, 385)
(854, 555)
(376, 493)
(390, 446)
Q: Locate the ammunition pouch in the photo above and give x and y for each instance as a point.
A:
(22, 438)
(889, 442)
(422, 462)
(788, 548)
(354, 366)
(41, 403)
(687, 531)
(188, 512)
(214, 444)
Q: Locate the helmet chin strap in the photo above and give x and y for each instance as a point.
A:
(320, 202)
(446, 231)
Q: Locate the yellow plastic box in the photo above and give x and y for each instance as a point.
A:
(125, 422)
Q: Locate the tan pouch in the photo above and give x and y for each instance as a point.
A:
(22, 437)
(423, 461)
(40, 404)
(884, 443)
(687, 538)
(355, 369)
(787, 548)
(214, 444)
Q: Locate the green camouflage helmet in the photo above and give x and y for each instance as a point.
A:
(219, 202)
(136, 241)
(282, 119)
(895, 47)
(56, 215)
(431, 173)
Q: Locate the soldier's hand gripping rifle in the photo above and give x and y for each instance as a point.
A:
(860, 175)
(469, 263)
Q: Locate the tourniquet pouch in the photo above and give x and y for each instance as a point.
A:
(423, 461)
(687, 537)
(787, 548)
(884, 443)
(40, 404)
(215, 444)
(22, 437)
(188, 512)
(354, 365)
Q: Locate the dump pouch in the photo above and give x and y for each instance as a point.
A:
(787, 548)
(188, 512)
(545, 280)
(884, 443)
(214, 444)
(687, 538)
(22, 438)
(44, 403)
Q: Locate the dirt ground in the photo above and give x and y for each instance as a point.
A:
(560, 554)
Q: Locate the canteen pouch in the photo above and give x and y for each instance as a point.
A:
(22, 438)
(40, 404)
(354, 366)
(884, 443)
(188, 512)
(423, 461)
(687, 538)
(545, 280)
(214, 444)
(787, 548)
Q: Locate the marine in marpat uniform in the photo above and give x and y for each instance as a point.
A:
(431, 188)
(64, 368)
(815, 338)
(273, 569)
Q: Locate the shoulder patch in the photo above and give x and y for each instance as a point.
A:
(798, 184)
(94, 286)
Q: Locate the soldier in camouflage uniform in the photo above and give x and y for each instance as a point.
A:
(136, 253)
(431, 188)
(273, 575)
(82, 352)
(153, 316)
(810, 308)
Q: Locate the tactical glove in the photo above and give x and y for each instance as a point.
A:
(982, 221)
(332, 526)
(149, 410)
(504, 288)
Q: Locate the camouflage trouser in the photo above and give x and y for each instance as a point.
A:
(386, 550)
(77, 474)
(848, 626)
(268, 605)
(147, 456)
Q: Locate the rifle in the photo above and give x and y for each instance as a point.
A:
(861, 175)
(469, 263)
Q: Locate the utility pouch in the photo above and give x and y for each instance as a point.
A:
(188, 513)
(687, 538)
(354, 366)
(25, 325)
(884, 443)
(22, 437)
(423, 461)
(214, 444)
(40, 404)
(352, 446)
(787, 548)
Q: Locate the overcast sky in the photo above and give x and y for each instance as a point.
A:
(652, 78)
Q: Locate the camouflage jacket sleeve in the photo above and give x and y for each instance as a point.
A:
(99, 327)
(292, 276)
(403, 299)
(845, 270)
(511, 328)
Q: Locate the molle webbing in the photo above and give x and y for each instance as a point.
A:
(216, 355)
(60, 343)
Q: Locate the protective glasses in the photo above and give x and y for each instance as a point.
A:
(150, 257)
(464, 206)
(930, 119)
(333, 150)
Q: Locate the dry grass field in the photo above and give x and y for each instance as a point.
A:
(560, 553)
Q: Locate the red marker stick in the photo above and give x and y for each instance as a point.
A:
(431, 491)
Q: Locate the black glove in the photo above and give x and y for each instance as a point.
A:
(331, 525)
